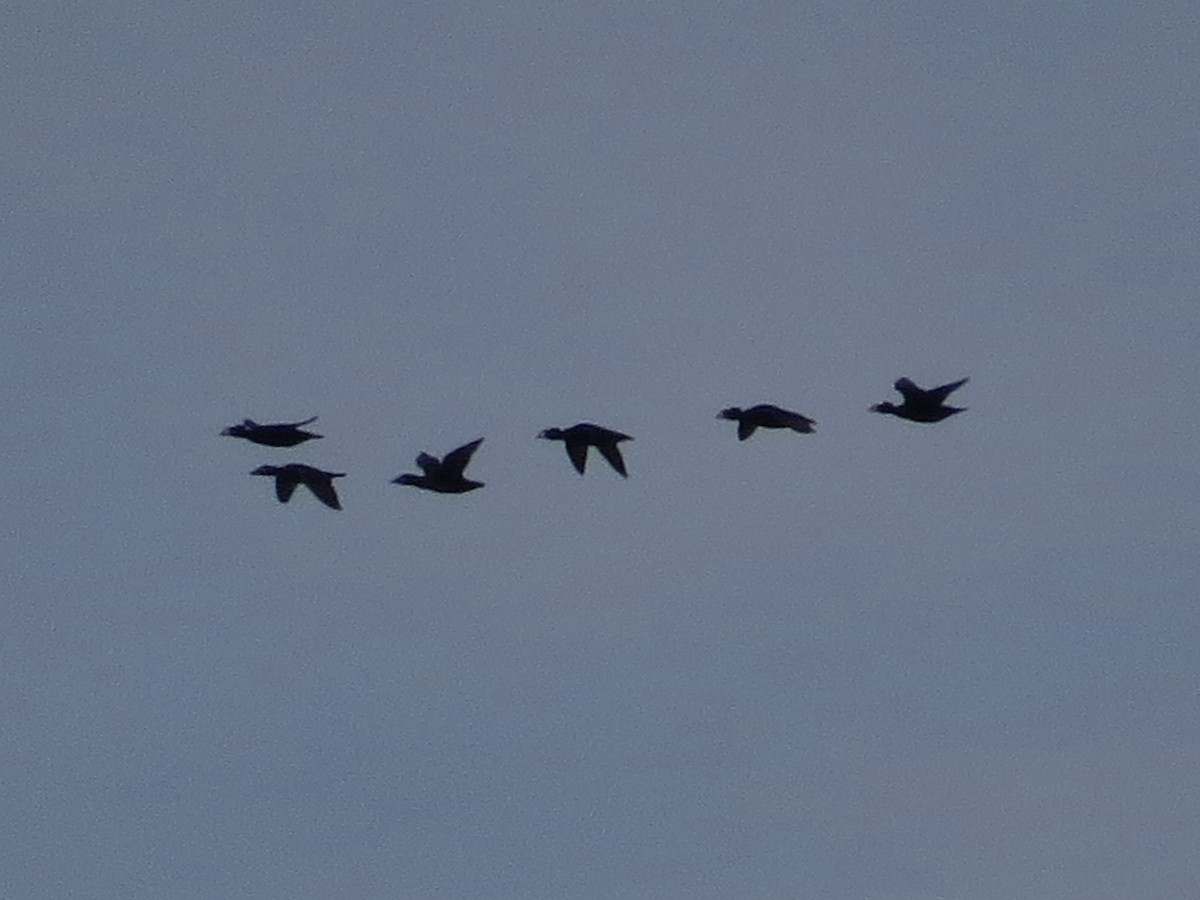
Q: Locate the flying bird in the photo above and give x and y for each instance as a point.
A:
(579, 437)
(279, 434)
(445, 475)
(288, 477)
(922, 405)
(766, 416)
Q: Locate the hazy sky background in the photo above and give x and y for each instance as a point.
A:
(885, 661)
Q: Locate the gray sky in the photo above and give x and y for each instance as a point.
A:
(884, 662)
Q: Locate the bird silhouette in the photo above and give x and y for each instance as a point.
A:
(445, 475)
(922, 405)
(766, 416)
(279, 434)
(579, 437)
(288, 477)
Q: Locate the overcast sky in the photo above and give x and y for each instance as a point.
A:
(886, 661)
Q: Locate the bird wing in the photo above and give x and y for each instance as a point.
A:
(912, 393)
(325, 492)
(428, 464)
(612, 453)
(939, 394)
(577, 451)
(456, 460)
(745, 429)
(797, 422)
(298, 424)
(285, 486)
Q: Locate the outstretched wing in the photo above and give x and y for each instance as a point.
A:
(285, 487)
(325, 493)
(428, 464)
(745, 429)
(577, 451)
(612, 453)
(912, 393)
(939, 394)
(456, 460)
(298, 424)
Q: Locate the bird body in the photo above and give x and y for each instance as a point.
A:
(579, 437)
(764, 415)
(279, 434)
(289, 477)
(445, 476)
(922, 405)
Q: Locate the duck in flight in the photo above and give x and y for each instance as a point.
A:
(279, 434)
(288, 477)
(922, 405)
(766, 416)
(444, 475)
(579, 437)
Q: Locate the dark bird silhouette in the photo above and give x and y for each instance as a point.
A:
(579, 437)
(288, 477)
(766, 416)
(445, 475)
(922, 405)
(279, 434)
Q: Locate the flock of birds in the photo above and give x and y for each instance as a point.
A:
(445, 475)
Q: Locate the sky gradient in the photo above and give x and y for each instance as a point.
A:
(886, 661)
